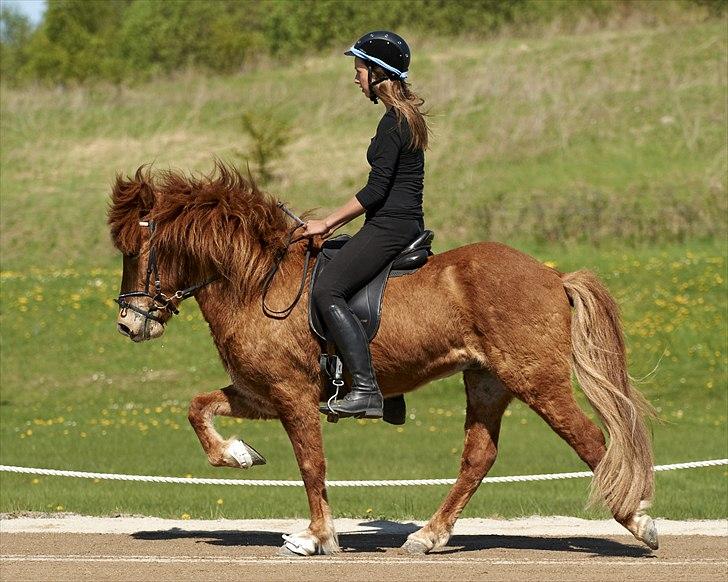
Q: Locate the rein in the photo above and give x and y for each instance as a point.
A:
(160, 301)
(284, 313)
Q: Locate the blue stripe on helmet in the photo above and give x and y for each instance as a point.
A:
(362, 55)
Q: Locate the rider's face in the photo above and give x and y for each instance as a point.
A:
(361, 76)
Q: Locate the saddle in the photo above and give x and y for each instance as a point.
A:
(367, 302)
(367, 306)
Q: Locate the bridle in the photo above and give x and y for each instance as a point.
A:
(160, 301)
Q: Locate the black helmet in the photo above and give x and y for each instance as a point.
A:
(383, 48)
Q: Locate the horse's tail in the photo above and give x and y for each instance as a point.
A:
(624, 476)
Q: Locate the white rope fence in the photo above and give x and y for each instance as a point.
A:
(374, 483)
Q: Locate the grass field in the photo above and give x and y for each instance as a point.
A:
(86, 399)
(604, 151)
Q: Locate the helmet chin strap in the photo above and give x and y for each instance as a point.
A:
(372, 84)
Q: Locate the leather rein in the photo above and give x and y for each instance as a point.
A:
(162, 302)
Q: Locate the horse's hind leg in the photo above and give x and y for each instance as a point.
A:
(226, 402)
(487, 399)
(558, 407)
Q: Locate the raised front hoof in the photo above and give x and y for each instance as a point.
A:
(242, 455)
(415, 548)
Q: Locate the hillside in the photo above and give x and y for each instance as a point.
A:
(600, 137)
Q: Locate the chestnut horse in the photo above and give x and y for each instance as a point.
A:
(514, 327)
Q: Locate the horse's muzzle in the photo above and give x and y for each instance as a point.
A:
(137, 327)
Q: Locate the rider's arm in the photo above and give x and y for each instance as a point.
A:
(384, 156)
(344, 214)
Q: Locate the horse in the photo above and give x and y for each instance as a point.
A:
(513, 326)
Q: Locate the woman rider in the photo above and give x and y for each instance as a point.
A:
(392, 200)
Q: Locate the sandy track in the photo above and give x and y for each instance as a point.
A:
(42, 550)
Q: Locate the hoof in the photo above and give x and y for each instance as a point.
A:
(415, 547)
(286, 553)
(301, 544)
(244, 455)
(647, 532)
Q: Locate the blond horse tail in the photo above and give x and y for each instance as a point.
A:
(623, 478)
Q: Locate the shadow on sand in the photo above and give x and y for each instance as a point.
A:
(385, 535)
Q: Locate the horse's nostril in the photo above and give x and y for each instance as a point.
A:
(123, 329)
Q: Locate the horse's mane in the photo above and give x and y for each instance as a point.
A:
(219, 222)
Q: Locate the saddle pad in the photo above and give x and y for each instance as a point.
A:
(366, 303)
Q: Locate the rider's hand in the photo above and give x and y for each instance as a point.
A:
(314, 227)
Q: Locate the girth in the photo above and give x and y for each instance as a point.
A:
(367, 302)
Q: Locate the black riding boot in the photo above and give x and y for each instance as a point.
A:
(364, 400)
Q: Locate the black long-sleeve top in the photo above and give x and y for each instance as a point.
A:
(396, 180)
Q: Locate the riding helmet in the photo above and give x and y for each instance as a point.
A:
(383, 48)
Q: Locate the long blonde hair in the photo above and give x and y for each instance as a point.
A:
(397, 93)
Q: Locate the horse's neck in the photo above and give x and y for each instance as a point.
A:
(228, 312)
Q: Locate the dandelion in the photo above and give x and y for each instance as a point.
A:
(220, 501)
(185, 516)
(59, 508)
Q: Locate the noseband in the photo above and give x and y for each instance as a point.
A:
(160, 301)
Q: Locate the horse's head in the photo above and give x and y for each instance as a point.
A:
(175, 230)
(144, 307)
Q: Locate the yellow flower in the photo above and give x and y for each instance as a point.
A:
(185, 516)
(220, 501)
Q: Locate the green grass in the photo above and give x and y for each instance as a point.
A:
(76, 395)
(604, 150)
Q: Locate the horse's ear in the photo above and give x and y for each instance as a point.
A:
(131, 199)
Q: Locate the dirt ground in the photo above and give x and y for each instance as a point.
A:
(175, 553)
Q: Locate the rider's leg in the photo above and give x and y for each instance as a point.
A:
(358, 262)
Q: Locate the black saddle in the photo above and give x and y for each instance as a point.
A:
(367, 302)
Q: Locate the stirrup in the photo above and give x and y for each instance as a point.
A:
(366, 411)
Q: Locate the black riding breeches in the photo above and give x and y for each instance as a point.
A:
(362, 258)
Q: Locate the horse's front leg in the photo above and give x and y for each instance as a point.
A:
(298, 411)
(226, 402)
